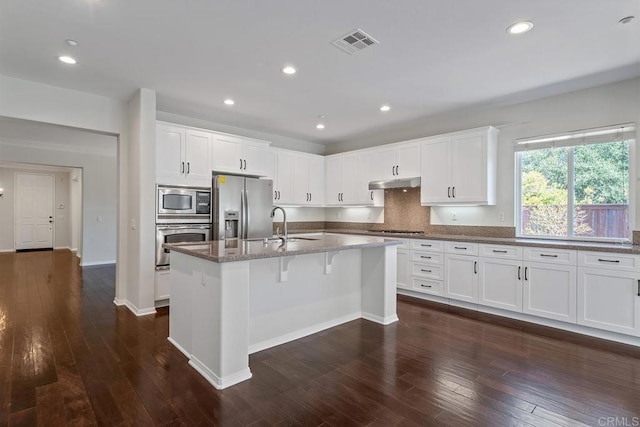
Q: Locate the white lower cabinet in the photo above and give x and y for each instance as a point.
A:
(501, 283)
(461, 277)
(162, 283)
(550, 291)
(403, 269)
(609, 295)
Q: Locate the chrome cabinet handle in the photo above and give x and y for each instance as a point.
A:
(609, 260)
(519, 268)
(448, 191)
(549, 256)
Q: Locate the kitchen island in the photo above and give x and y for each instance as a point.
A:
(231, 298)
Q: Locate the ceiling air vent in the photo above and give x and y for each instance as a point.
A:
(354, 41)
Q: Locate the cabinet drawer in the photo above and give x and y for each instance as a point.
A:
(461, 248)
(427, 245)
(427, 257)
(433, 287)
(613, 261)
(501, 251)
(551, 256)
(426, 270)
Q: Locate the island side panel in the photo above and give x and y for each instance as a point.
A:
(181, 288)
(220, 322)
(307, 302)
(379, 284)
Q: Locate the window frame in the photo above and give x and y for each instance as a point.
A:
(570, 189)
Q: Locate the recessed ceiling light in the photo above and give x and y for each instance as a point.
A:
(289, 69)
(229, 101)
(67, 60)
(320, 126)
(626, 19)
(520, 27)
(71, 42)
(385, 108)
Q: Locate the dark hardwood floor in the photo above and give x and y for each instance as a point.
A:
(68, 356)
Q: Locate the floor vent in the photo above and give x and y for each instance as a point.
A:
(354, 41)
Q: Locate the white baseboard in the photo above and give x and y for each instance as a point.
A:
(7, 250)
(381, 320)
(61, 247)
(135, 310)
(301, 333)
(74, 249)
(215, 380)
(179, 347)
(90, 264)
(164, 302)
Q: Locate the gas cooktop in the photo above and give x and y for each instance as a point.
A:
(397, 231)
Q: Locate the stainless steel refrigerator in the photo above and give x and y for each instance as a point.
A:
(241, 207)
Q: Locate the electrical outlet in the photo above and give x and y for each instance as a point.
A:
(501, 216)
(454, 217)
(133, 224)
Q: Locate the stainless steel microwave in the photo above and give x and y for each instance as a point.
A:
(183, 204)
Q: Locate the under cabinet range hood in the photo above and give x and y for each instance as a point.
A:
(395, 183)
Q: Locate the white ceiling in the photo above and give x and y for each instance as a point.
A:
(434, 56)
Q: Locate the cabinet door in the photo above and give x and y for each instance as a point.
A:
(550, 291)
(408, 160)
(364, 165)
(403, 269)
(333, 180)
(258, 159)
(349, 179)
(469, 168)
(301, 175)
(435, 165)
(227, 154)
(384, 163)
(170, 154)
(316, 180)
(197, 156)
(501, 283)
(461, 277)
(609, 299)
(283, 188)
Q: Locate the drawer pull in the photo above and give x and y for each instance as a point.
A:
(499, 252)
(425, 245)
(460, 247)
(549, 256)
(609, 260)
(429, 286)
(426, 271)
(425, 257)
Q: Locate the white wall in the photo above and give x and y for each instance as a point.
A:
(75, 210)
(99, 195)
(276, 140)
(599, 106)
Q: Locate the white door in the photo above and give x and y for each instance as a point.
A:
(461, 278)
(301, 175)
(384, 163)
(170, 165)
(349, 178)
(333, 170)
(501, 283)
(609, 300)
(198, 158)
(258, 159)
(408, 160)
(550, 291)
(283, 185)
(469, 166)
(436, 171)
(227, 154)
(34, 211)
(316, 180)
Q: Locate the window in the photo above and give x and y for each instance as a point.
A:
(575, 185)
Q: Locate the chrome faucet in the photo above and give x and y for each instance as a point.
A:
(284, 223)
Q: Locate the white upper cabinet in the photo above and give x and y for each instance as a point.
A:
(240, 155)
(308, 179)
(283, 177)
(459, 168)
(396, 161)
(347, 180)
(182, 155)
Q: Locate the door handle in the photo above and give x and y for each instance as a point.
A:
(188, 168)
(639, 288)
(372, 195)
(310, 196)
(519, 268)
(275, 194)
(453, 192)
(240, 164)
(475, 267)
(425, 271)
(279, 194)
(549, 256)
(609, 260)
(525, 273)
(425, 257)
(182, 170)
(245, 164)
(448, 191)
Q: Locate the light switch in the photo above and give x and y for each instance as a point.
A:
(99, 218)
(133, 224)
(60, 206)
